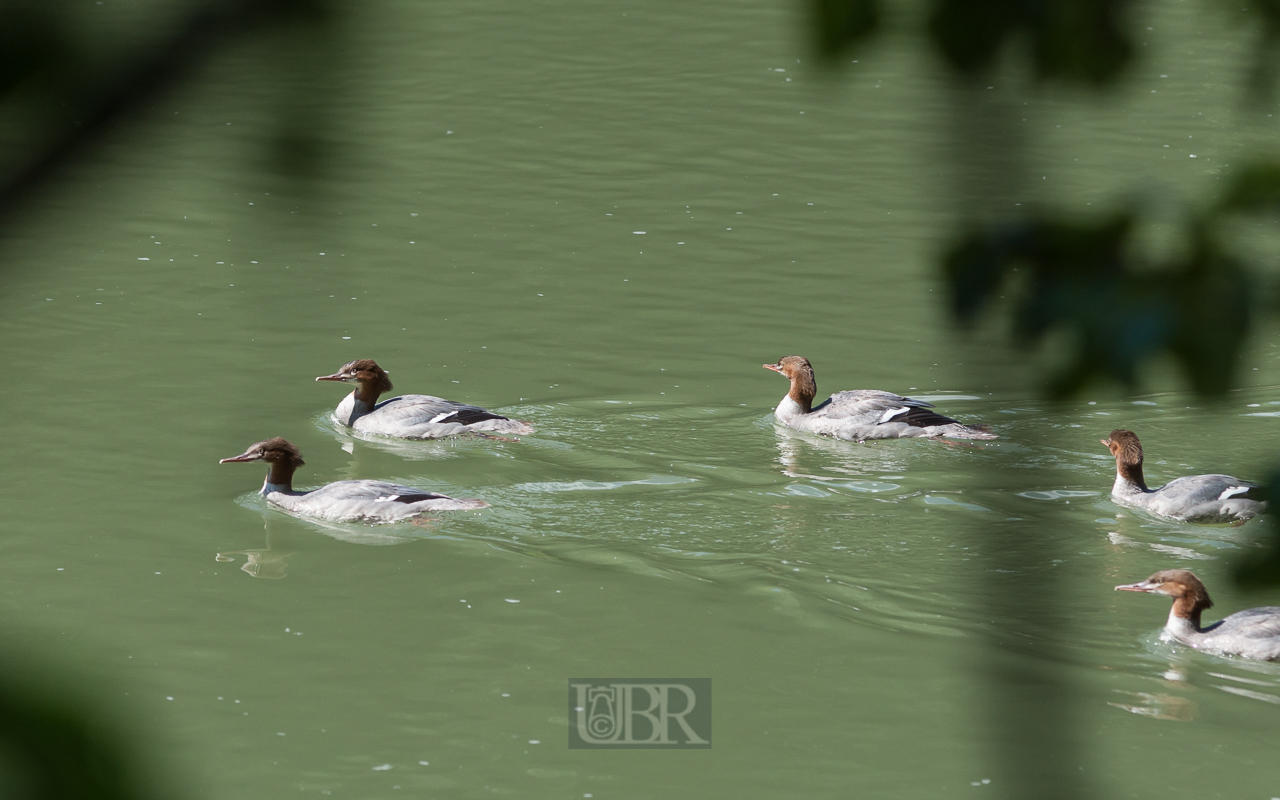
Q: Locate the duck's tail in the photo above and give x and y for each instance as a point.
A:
(451, 504)
(503, 425)
(961, 431)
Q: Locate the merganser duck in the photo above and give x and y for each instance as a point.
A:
(1195, 498)
(1252, 634)
(410, 416)
(861, 414)
(344, 501)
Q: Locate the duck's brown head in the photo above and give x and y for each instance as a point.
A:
(800, 372)
(1188, 593)
(273, 451)
(281, 456)
(1124, 445)
(371, 378)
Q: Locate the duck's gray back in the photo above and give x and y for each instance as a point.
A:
(1204, 498)
(422, 416)
(369, 501)
(1254, 633)
(864, 414)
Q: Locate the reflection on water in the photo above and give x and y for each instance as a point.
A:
(1251, 694)
(594, 486)
(807, 455)
(1158, 706)
(270, 561)
(1056, 494)
(1271, 682)
(1173, 551)
(265, 563)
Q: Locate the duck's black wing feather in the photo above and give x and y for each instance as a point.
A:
(468, 415)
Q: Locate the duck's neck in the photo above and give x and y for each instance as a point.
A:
(363, 399)
(1129, 477)
(803, 390)
(1184, 617)
(279, 479)
(366, 393)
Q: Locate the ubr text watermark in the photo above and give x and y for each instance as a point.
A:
(639, 712)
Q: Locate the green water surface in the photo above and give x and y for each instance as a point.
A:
(603, 218)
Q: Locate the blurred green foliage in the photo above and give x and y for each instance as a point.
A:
(840, 24)
(53, 745)
(1071, 39)
(71, 76)
(1089, 41)
(1089, 280)
(1260, 569)
(1122, 307)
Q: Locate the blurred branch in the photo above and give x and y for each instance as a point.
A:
(40, 54)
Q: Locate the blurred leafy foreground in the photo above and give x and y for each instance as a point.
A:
(72, 75)
(1090, 282)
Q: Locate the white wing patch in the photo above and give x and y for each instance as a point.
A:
(891, 413)
(445, 415)
(386, 499)
(1230, 490)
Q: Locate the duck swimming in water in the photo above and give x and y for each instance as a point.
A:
(410, 416)
(1195, 498)
(1254, 633)
(344, 501)
(861, 414)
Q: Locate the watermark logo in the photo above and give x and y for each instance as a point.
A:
(639, 712)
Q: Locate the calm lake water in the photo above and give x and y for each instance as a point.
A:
(603, 219)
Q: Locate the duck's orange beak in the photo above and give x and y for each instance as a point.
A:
(337, 376)
(245, 456)
(775, 367)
